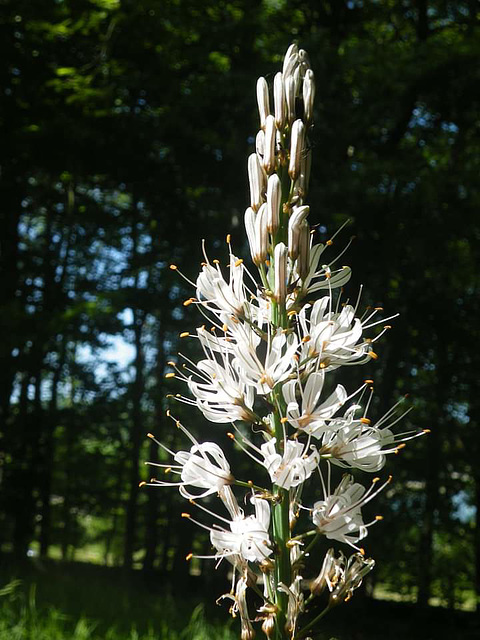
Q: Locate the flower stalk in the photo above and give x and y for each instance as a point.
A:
(266, 362)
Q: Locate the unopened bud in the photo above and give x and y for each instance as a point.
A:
(290, 61)
(260, 143)
(296, 149)
(308, 94)
(279, 100)
(294, 229)
(274, 197)
(280, 256)
(269, 153)
(256, 178)
(268, 626)
(303, 261)
(262, 100)
(290, 97)
(261, 236)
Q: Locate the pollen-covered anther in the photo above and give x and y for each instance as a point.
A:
(150, 435)
(186, 515)
(375, 480)
(373, 355)
(189, 302)
(368, 381)
(142, 484)
(365, 421)
(362, 551)
(184, 334)
(170, 375)
(329, 243)
(426, 431)
(378, 518)
(239, 262)
(283, 420)
(400, 447)
(173, 267)
(306, 339)
(231, 435)
(228, 238)
(188, 557)
(168, 470)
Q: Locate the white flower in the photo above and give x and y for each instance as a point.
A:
(203, 467)
(352, 442)
(339, 515)
(216, 294)
(222, 396)
(293, 467)
(248, 536)
(312, 416)
(332, 337)
(264, 371)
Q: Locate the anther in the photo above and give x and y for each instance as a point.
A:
(283, 420)
(184, 334)
(230, 435)
(228, 238)
(373, 355)
(362, 551)
(329, 243)
(427, 431)
(167, 470)
(375, 480)
(189, 556)
(142, 484)
(238, 262)
(368, 381)
(150, 435)
(216, 261)
(186, 515)
(378, 518)
(173, 267)
(365, 421)
(170, 375)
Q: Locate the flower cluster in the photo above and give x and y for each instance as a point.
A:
(267, 368)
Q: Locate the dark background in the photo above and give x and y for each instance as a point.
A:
(125, 128)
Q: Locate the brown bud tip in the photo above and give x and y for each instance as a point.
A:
(188, 557)
(173, 267)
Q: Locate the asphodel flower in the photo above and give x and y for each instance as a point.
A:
(273, 346)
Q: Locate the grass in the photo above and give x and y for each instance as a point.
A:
(55, 601)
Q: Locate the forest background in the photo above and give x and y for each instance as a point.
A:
(125, 129)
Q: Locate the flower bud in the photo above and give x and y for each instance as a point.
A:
(296, 149)
(269, 154)
(290, 61)
(274, 198)
(261, 236)
(263, 100)
(290, 97)
(308, 94)
(257, 179)
(280, 257)
(303, 261)
(294, 228)
(260, 143)
(279, 100)
(268, 626)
